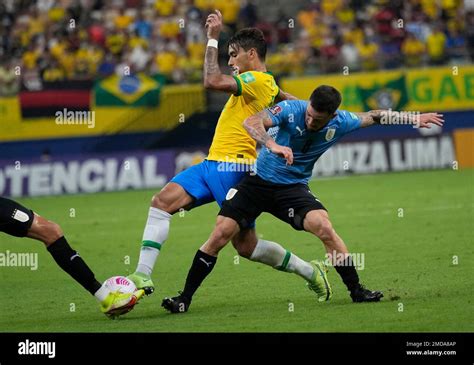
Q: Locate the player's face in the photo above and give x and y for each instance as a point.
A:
(316, 120)
(238, 60)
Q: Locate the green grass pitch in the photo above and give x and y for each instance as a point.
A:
(423, 262)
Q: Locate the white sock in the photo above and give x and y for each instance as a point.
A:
(272, 254)
(300, 267)
(154, 236)
(102, 293)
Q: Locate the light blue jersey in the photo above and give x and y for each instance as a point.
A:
(290, 128)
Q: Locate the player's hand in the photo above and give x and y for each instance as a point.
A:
(282, 151)
(426, 119)
(214, 25)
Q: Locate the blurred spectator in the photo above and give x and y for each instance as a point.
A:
(354, 35)
(122, 21)
(368, 54)
(346, 14)
(248, 14)
(53, 72)
(107, 66)
(166, 61)
(97, 33)
(143, 27)
(330, 56)
(9, 80)
(350, 56)
(456, 45)
(230, 12)
(436, 45)
(413, 50)
(164, 8)
(283, 29)
(390, 53)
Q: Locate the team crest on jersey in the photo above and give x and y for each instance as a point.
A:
(20, 216)
(330, 134)
(275, 109)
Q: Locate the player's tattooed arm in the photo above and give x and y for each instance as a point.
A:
(256, 126)
(213, 78)
(391, 117)
(370, 118)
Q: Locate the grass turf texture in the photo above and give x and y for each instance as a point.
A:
(409, 258)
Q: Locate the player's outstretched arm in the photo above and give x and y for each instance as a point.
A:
(213, 77)
(389, 117)
(257, 125)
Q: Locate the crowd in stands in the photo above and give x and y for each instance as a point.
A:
(53, 40)
(372, 35)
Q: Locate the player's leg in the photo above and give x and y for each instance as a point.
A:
(317, 222)
(50, 233)
(291, 203)
(223, 179)
(24, 223)
(259, 194)
(270, 253)
(203, 264)
(65, 256)
(267, 252)
(246, 202)
(186, 190)
(163, 204)
(19, 221)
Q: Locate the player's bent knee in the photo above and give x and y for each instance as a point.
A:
(245, 252)
(160, 202)
(156, 201)
(171, 199)
(325, 231)
(222, 235)
(243, 249)
(223, 232)
(322, 228)
(53, 232)
(245, 242)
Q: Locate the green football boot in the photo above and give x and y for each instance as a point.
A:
(319, 282)
(142, 281)
(117, 304)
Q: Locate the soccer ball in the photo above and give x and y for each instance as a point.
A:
(120, 284)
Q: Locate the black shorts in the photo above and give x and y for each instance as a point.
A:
(253, 195)
(15, 219)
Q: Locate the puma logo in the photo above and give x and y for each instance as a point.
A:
(207, 263)
(74, 256)
(299, 130)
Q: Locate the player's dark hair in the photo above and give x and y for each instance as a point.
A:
(248, 38)
(325, 98)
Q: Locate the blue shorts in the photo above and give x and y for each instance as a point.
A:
(210, 181)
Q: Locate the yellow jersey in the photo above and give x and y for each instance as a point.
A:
(256, 91)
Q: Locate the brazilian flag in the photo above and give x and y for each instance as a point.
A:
(129, 90)
(390, 95)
